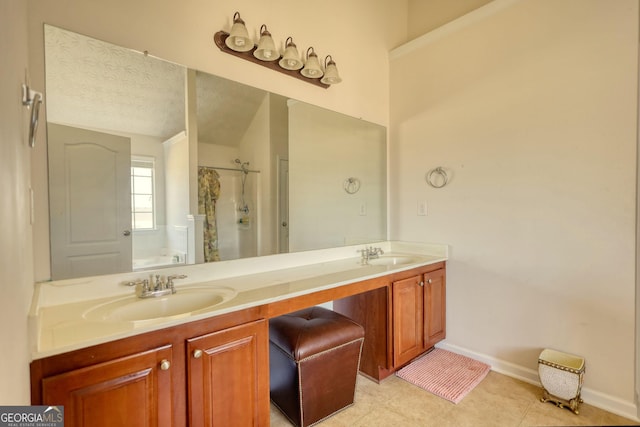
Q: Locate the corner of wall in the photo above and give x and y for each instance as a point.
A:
(603, 401)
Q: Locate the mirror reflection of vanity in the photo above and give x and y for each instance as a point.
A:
(130, 138)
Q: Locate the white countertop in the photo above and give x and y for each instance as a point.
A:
(57, 323)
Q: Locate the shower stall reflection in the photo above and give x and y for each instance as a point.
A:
(232, 231)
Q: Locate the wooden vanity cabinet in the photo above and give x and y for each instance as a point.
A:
(435, 303)
(402, 320)
(213, 372)
(372, 310)
(408, 319)
(132, 390)
(226, 377)
(419, 315)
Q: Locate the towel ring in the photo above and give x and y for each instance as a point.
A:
(437, 178)
(351, 185)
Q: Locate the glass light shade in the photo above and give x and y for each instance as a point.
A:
(291, 58)
(331, 75)
(266, 50)
(312, 69)
(238, 39)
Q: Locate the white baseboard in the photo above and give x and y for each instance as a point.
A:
(600, 400)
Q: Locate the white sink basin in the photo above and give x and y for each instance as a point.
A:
(185, 302)
(392, 260)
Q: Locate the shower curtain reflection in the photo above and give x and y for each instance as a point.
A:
(236, 213)
(208, 194)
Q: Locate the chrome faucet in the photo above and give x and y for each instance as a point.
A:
(369, 253)
(146, 288)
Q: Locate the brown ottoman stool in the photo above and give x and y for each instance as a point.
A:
(314, 359)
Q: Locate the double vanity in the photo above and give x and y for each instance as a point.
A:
(199, 356)
(189, 344)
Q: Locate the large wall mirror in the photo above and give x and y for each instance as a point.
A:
(152, 164)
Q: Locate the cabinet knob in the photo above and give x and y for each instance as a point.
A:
(421, 283)
(429, 281)
(165, 365)
(197, 354)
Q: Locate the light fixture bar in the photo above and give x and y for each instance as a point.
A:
(221, 36)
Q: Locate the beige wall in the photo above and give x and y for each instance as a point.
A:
(427, 15)
(358, 39)
(16, 286)
(532, 111)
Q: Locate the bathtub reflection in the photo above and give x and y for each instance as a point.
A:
(157, 261)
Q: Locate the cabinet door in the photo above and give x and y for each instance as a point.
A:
(435, 307)
(130, 391)
(228, 377)
(408, 321)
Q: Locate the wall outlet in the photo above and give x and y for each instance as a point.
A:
(422, 208)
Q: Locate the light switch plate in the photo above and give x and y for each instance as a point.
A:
(422, 208)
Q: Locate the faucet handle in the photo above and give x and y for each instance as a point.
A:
(142, 287)
(170, 280)
(138, 282)
(132, 283)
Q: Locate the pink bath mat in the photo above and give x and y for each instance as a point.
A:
(445, 374)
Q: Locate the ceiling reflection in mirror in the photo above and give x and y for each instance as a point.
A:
(142, 177)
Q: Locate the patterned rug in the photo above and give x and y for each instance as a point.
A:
(445, 374)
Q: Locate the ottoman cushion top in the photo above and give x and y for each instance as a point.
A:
(313, 330)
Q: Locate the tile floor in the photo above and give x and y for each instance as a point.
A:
(497, 401)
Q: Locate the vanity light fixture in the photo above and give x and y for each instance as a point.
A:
(291, 58)
(266, 50)
(331, 75)
(238, 39)
(312, 68)
(238, 43)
